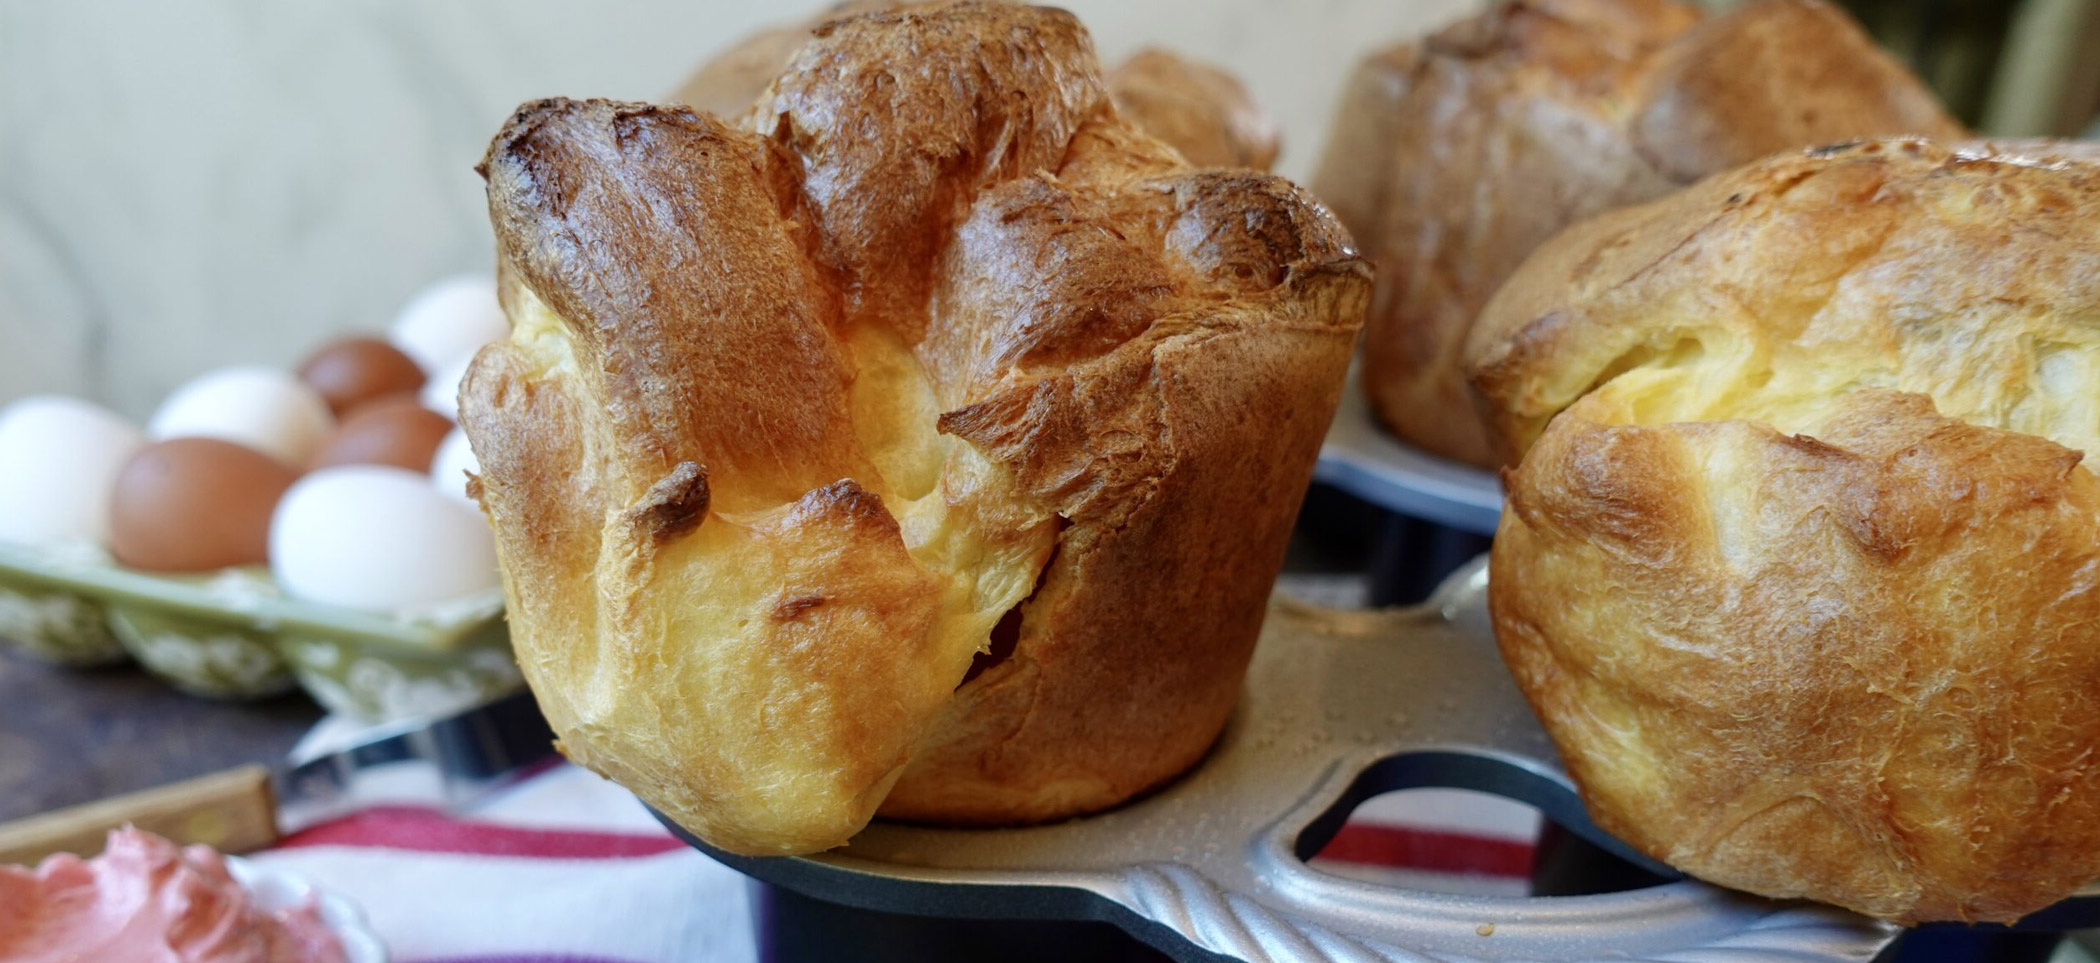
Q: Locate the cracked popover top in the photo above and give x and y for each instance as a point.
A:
(924, 442)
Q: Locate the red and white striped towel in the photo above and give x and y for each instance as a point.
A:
(565, 867)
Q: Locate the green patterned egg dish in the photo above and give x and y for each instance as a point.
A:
(234, 635)
(54, 624)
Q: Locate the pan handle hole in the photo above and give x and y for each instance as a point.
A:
(1438, 840)
(1458, 822)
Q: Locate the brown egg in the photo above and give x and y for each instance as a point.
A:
(195, 504)
(353, 371)
(396, 430)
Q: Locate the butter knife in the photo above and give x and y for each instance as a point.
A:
(444, 761)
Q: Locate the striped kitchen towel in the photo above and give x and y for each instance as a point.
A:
(565, 867)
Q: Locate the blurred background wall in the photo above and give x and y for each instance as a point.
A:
(188, 185)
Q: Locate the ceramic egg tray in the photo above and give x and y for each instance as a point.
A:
(233, 635)
(1338, 706)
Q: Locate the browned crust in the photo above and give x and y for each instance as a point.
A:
(1162, 475)
(1197, 108)
(728, 83)
(1800, 561)
(1138, 355)
(1201, 110)
(1887, 699)
(617, 215)
(1452, 159)
(1749, 257)
(1814, 78)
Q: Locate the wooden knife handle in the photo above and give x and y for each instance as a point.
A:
(231, 811)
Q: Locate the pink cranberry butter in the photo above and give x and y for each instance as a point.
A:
(147, 900)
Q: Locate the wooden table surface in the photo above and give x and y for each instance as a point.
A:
(72, 735)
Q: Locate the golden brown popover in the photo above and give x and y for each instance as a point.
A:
(1452, 158)
(1801, 564)
(1201, 110)
(1198, 109)
(916, 369)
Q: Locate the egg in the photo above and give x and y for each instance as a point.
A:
(449, 321)
(455, 459)
(378, 538)
(270, 411)
(441, 393)
(353, 371)
(195, 504)
(395, 431)
(58, 458)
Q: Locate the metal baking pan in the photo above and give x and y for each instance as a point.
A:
(1339, 706)
(1360, 457)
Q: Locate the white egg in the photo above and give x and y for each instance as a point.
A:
(268, 410)
(58, 459)
(449, 468)
(449, 321)
(378, 538)
(441, 392)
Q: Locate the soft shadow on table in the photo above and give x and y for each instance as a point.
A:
(74, 735)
